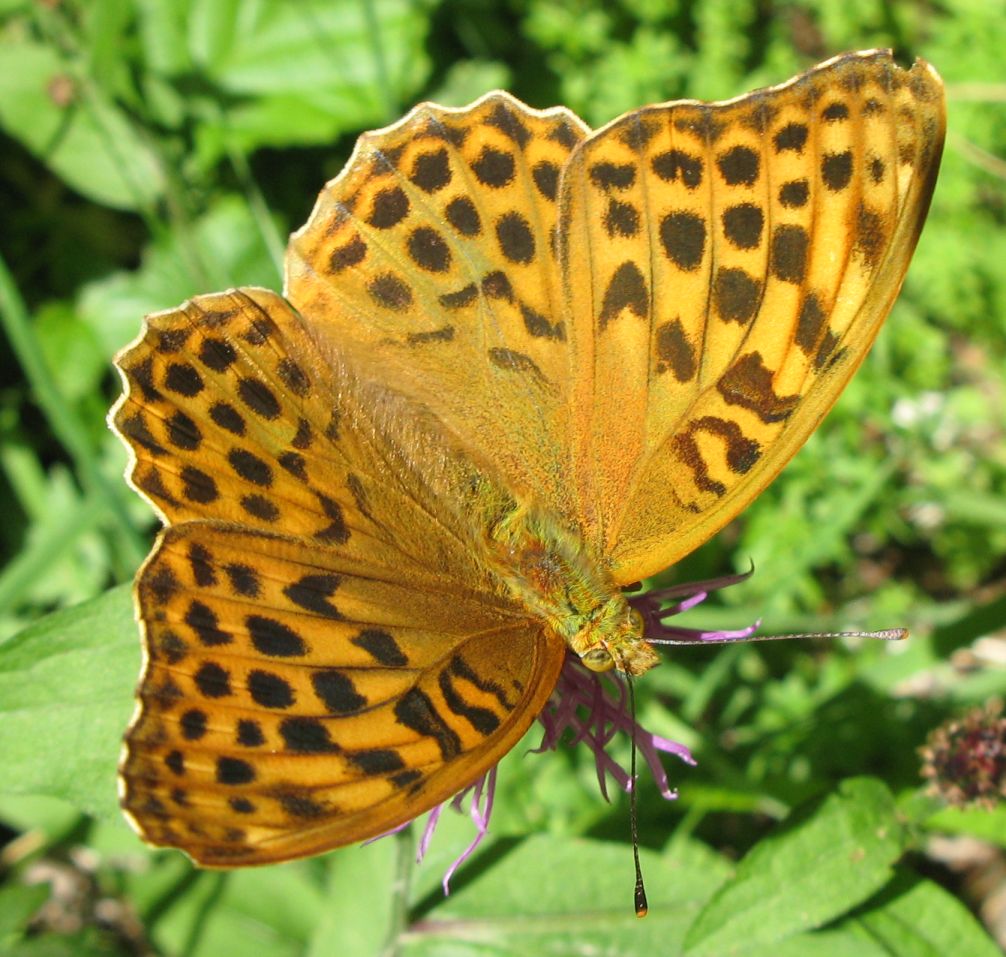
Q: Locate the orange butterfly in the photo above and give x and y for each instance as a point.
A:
(519, 366)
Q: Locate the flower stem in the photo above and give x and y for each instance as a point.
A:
(405, 862)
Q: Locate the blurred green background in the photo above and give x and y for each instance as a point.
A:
(151, 150)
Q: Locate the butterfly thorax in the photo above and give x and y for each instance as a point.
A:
(550, 570)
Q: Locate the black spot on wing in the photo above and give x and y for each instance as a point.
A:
(227, 417)
(546, 178)
(270, 690)
(675, 352)
(431, 171)
(204, 622)
(788, 257)
(258, 506)
(621, 219)
(794, 194)
(514, 361)
(212, 680)
(193, 724)
(481, 719)
(463, 216)
(415, 710)
(183, 433)
(183, 379)
(273, 638)
(382, 647)
(244, 580)
(312, 593)
(836, 170)
(336, 691)
(350, 254)
(516, 241)
(201, 563)
(612, 175)
(162, 585)
(390, 207)
(742, 225)
(793, 137)
(676, 164)
(249, 733)
(232, 771)
(250, 467)
(443, 334)
(458, 299)
(736, 294)
(683, 236)
(259, 398)
(428, 250)
(537, 325)
(307, 736)
(626, 290)
(293, 376)
(389, 291)
(494, 168)
(739, 166)
(376, 760)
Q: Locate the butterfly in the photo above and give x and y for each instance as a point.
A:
(518, 365)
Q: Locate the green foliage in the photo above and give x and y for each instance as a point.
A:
(154, 150)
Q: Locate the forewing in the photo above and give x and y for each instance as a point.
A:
(234, 411)
(431, 260)
(727, 267)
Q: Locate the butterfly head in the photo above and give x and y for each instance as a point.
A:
(615, 640)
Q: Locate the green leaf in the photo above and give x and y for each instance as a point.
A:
(920, 919)
(72, 127)
(468, 80)
(847, 941)
(266, 911)
(66, 694)
(828, 857)
(225, 243)
(49, 820)
(358, 905)
(535, 896)
(90, 942)
(18, 904)
(307, 72)
(985, 824)
(71, 349)
(272, 47)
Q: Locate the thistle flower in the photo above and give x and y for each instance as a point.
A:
(965, 759)
(593, 708)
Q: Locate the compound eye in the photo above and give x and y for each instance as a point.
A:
(636, 620)
(598, 659)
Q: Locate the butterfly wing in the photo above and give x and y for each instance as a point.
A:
(294, 700)
(324, 656)
(722, 270)
(431, 259)
(727, 267)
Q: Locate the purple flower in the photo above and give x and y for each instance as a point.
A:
(591, 708)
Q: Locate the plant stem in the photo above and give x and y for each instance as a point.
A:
(405, 862)
(62, 417)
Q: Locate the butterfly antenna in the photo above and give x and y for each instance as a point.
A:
(888, 634)
(640, 896)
